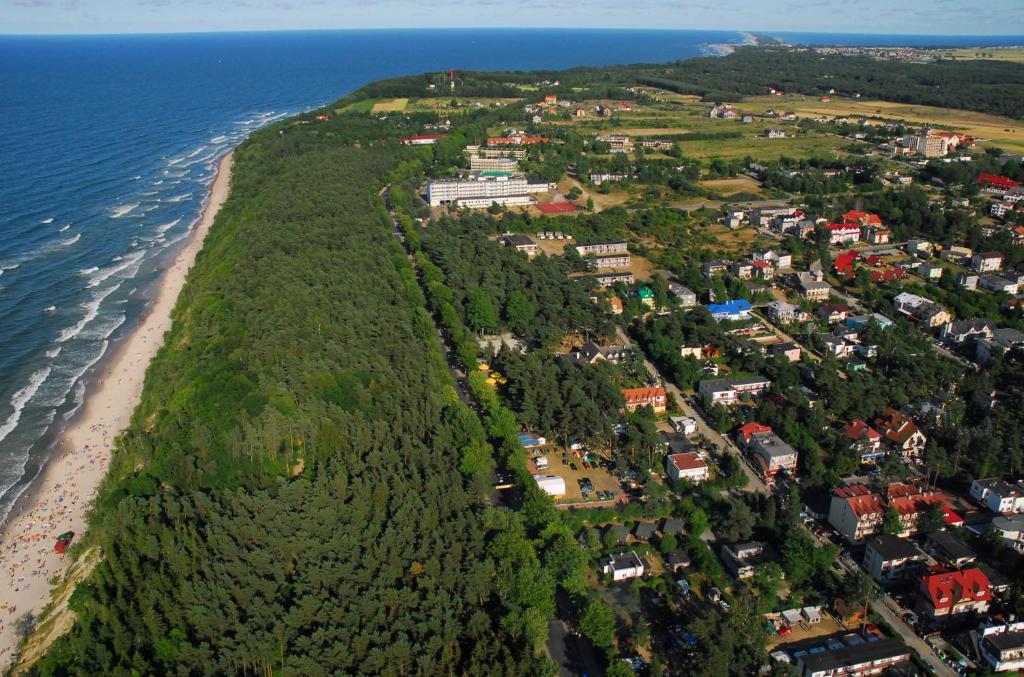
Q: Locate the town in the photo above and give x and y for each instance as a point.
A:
(765, 362)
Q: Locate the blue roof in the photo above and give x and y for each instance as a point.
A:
(731, 307)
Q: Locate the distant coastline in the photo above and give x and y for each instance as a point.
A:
(724, 49)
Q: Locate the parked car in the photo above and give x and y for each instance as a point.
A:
(725, 605)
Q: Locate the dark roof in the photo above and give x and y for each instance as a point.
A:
(516, 239)
(621, 532)
(645, 530)
(950, 546)
(678, 558)
(671, 525)
(677, 443)
(854, 655)
(583, 537)
(1004, 641)
(892, 547)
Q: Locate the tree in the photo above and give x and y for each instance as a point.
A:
(891, 523)
(598, 625)
(933, 518)
(480, 313)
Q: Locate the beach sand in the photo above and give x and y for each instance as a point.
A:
(62, 495)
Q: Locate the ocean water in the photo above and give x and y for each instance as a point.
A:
(108, 146)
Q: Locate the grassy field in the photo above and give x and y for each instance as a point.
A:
(739, 184)
(991, 129)
(392, 106)
(1014, 54)
(804, 146)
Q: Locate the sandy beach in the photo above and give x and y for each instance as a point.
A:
(59, 500)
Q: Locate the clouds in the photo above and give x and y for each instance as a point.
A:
(949, 17)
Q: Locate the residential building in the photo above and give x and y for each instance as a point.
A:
(723, 111)
(623, 566)
(948, 550)
(865, 439)
(481, 151)
(618, 143)
(772, 455)
(779, 259)
(843, 233)
(875, 234)
(591, 353)
(901, 433)
(422, 139)
(782, 312)
(855, 659)
(996, 183)
(522, 243)
(924, 311)
(967, 281)
(929, 271)
(710, 268)
(598, 178)
(610, 261)
(1002, 340)
(744, 270)
(1001, 209)
(788, 349)
(953, 593)
(653, 397)
(688, 466)
(743, 559)
(859, 322)
(774, 134)
(1011, 529)
(729, 390)
(837, 346)
(485, 187)
(987, 262)
(684, 425)
(734, 310)
(998, 283)
(687, 297)
(890, 558)
(747, 431)
(602, 248)
(812, 289)
(609, 279)
(1002, 646)
(479, 163)
(959, 332)
(856, 512)
(833, 312)
(999, 496)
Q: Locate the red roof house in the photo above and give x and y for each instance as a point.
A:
(748, 430)
(993, 181)
(862, 218)
(844, 263)
(650, 397)
(954, 592)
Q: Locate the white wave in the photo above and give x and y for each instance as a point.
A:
(135, 243)
(157, 183)
(88, 271)
(150, 193)
(20, 399)
(92, 308)
(50, 309)
(103, 275)
(47, 222)
(123, 210)
(55, 352)
(136, 177)
(117, 258)
(72, 240)
(174, 161)
(196, 152)
(76, 400)
(167, 226)
(178, 198)
(64, 227)
(218, 139)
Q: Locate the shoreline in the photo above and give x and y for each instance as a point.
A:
(61, 495)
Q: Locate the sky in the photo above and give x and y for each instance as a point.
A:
(932, 17)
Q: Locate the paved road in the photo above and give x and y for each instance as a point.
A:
(754, 482)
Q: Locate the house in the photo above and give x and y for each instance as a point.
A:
(733, 310)
(787, 349)
(552, 485)
(522, 243)
(959, 332)
(645, 531)
(930, 271)
(592, 353)
(862, 218)
(779, 259)
(729, 390)
(687, 297)
(602, 248)
(623, 566)
(967, 281)
(763, 270)
(1010, 528)
(865, 439)
(918, 247)
(856, 658)
(676, 443)
(711, 268)
(998, 283)
(742, 269)
(691, 351)
(1002, 646)
(843, 233)
(856, 512)
(901, 433)
(875, 234)
(683, 425)
(953, 593)
(890, 558)
(859, 322)
(646, 296)
(743, 559)
(774, 134)
(997, 183)
(948, 550)
(987, 262)
(609, 279)
(837, 346)
(1001, 209)
(812, 289)
(922, 310)
(747, 431)
(782, 312)
(1002, 340)
(688, 466)
(653, 397)
(772, 455)
(616, 305)
(999, 496)
(673, 526)
(833, 312)
(677, 561)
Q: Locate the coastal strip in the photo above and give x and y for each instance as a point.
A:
(62, 496)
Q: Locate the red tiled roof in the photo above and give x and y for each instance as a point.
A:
(844, 262)
(861, 500)
(557, 207)
(843, 227)
(864, 218)
(688, 461)
(639, 396)
(952, 519)
(513, 140)
(986, 179)
(748, 430)
(856, 429)
(949, 588)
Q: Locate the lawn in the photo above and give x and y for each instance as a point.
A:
(392, 106)
(992, 129)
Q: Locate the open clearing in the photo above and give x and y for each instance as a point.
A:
(392, 106)
(804, 146)
(1001, 131)
(1014, 54)
(739, 184)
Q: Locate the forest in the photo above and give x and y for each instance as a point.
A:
(288, 496)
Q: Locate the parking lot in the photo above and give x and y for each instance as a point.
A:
(571, 467)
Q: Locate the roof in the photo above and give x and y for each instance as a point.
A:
(843, 227)
(673, 525)
(517, 239)
(892, 547)
(950, 546)
(688, 461)
(770, 446)
(897, 427)
(949, 588)
(557, 207)
(986, 179)
(723, 384)
(857, 429)
(861, 500)
(643, 395)
(424, 137)
(866, 218)
(645, 530)
(731, 307)
(623, 560)
(850, 656)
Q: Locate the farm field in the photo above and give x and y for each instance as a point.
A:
(392, 106)
(1004, 132)
(1014, 54)
(732, 186)
(803, 146)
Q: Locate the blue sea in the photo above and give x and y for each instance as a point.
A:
(108, 145)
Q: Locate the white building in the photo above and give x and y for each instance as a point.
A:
(688, 466)
(1003, 646)
(483, 189)
(478, 163)
(623, 566)
(684, 424)
(552, 485)
(998, 495)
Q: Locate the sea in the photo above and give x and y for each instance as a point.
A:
(108, 145)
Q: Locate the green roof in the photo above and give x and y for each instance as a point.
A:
(646, 293)
(495, 174)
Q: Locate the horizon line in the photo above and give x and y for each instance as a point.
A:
(769, 33)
